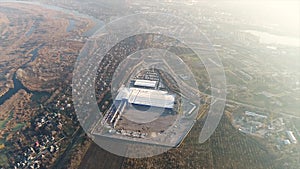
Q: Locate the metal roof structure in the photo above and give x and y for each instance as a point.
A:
(248, 113)
(145, 83)
(147, 97)
(291, 137)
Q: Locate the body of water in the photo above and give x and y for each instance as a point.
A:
(17, 86)
(268, 38)
(71, 26)
(31, 30)
(72, 23)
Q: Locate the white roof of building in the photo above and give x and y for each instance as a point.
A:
(145, 83)
(148, 97)
(291, 136)
(255, 114)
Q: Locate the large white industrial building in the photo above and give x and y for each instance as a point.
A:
(144, 92)
(147, 97)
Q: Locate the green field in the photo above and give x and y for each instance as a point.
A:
(3, 159)
(3, 123)
(18, 126)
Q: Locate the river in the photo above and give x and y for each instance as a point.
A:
(17, 83)
(268, 38)
(17, 86)
(71, 26)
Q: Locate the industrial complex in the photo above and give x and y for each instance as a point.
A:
(148, 111)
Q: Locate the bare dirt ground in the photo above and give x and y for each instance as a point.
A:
(97, 158)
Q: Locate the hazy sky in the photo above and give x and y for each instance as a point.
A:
(284, 14)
